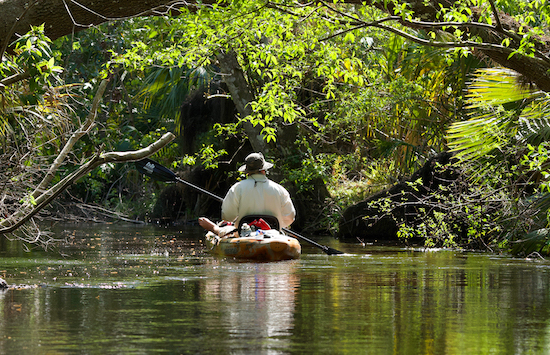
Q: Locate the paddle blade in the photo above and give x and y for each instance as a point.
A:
(154, 170)
(332, 251)
(327, 250)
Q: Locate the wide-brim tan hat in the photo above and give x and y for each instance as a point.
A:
(255, 162)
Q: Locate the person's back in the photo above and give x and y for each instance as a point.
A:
(256, 195)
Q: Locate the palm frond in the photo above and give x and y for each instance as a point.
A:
(5, 128)
(537, 241)
(165, 89)
(478, 137)
(495, 86)
(502, 112)
(534, 122)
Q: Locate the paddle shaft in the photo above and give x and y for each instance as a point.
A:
(156, 171)
(210, 194)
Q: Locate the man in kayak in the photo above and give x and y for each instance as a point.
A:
(254, 195)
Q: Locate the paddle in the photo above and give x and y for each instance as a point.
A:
(158, 172)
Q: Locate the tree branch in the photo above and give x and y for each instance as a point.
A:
(535, 69)
(15, 78)
(18, 219)
(495, 14)
(85, 128)
(61, 18)
(12, 29)
(358, 23)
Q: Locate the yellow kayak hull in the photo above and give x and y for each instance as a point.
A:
(269, 246)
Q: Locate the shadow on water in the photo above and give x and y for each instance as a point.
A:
(142, 289)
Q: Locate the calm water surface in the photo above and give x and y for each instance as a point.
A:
(145, 289)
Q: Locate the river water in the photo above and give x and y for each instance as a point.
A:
(145, 289)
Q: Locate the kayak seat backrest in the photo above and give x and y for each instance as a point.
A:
(271, 220)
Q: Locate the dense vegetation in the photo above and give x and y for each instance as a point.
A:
(346, 105)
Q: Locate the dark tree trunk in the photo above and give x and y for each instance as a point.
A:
(376, 220)
(17, 16)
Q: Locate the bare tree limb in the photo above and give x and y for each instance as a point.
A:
(21, 217)
(85, 128)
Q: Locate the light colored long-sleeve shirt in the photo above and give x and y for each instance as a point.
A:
(258, 195)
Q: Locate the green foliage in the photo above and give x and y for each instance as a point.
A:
(535, 242)
(34, 55)
(210, 156)
(165, 89)
(537, 159)
(452, 217)
(351, 180)
(403, 112)
(368, 106)
(32, 59)
(134, 112)
(274, 49)
(361, 94)
(302, 71)
(508, 131)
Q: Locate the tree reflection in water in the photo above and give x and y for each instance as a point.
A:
(147, 290)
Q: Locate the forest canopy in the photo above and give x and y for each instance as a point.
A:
(346, 97)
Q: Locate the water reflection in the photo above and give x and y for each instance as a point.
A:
(256, 300)
(143, 290)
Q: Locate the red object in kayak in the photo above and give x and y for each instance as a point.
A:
(260, 224)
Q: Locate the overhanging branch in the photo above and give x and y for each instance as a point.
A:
(18, 219)
(430, 25)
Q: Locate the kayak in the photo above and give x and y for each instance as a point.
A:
(260, 245)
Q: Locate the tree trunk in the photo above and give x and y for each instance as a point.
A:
(61, 18)
(241, 95)
(308, 203)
